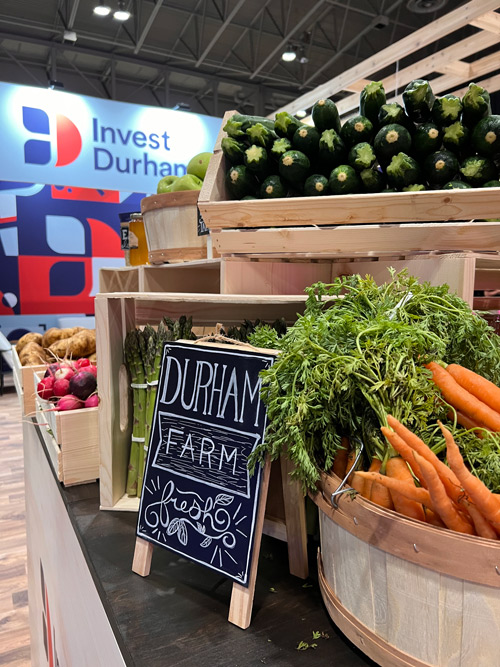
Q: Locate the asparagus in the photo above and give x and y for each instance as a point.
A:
(134, 363)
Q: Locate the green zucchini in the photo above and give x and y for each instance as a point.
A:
(286, 125)
(332, 150)
(476, 105)
(456, 185)
(273, 187)
(440, 167)
(402, 171)
(446, 110)
(294, 167)
(394, 113)
(372, 180)
(390, 140)
(306, 140)
(415, 187)
(238, 124)
(248, 198)
(261, 135)
(456, 137)
(240, 182)
(486, 136)
(478, 170)
(344, 180)
(355, 130)
(361, 156)
(316, 185)
(280, 146)
(418, 99)
(325, 116)
(492, 184)
(256, 160)
(233, 150)
(371, 99)
(427, 139)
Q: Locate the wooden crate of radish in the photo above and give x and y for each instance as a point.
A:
(67, 411)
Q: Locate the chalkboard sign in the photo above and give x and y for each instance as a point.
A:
(199, 499)
(202, 228)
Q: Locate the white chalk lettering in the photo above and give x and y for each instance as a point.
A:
(206, 452)
(232, 390)
(168, 380)
(176, 431)
(203, 385)
(254, 394)
(224, 455)
(188, 445)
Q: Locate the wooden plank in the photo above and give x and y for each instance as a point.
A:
(431, 32)
(378, 585)
(368, 240)
(196, 276)
(295, 520)
(489, 21)
(492, 85)
(481, 623)
(457, 68)
(484, 65)
(451, 624)
(168, 200)
(143, 554)
(120, 279)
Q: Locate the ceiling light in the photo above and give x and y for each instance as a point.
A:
(121, 14)
(425, 6)
(289, 55)
(301, 113)
(70, 36)
(101, 9)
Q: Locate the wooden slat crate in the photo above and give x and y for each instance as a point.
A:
(121, 279)
(72, 440)
(23, 381)
(118, 313)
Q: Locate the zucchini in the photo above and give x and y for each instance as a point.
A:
(486, 136)
(256, 160)
(418, 99)
(286, 125)
(233, 150)
(372, 180)
(325, 115)
(332, 150)
(440, 167)
(248, 198)
(344, 180)
(390, 140)
(306, 140)
(426, 139)
(238, 124)
(261, 135)
(402, 171)
(355, 130)
(456, 185)
(294, 167)
(371, 99)
(446, 110)
(316, 185)
(478, 170)
(394, 113)
(361, 156)
(273, 187)
(240, 182)
(415, 187)
(456, 137)
(492, 184)
(476, 105)
(280, 146)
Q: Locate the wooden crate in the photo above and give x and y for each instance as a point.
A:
(72, 440)
(118, 313)
(420, 596)
(23, 381)
(202, 276)
(121, 279)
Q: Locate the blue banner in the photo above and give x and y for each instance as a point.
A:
(58, 138)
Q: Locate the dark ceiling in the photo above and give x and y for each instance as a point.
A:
(212, 55)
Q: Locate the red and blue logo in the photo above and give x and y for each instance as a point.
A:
(68, 139)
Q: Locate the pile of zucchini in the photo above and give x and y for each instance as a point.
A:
(430, 143)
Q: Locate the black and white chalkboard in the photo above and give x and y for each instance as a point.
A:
(199, 499)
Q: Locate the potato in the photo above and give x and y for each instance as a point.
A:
(28, 338)
(53, 335)
(93, 358)
(32, 354)
(80, 345)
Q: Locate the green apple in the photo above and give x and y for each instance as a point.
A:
(165, 185)
(187, 182)
(198, 165)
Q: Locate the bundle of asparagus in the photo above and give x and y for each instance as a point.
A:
(247, 328)
(133, 351)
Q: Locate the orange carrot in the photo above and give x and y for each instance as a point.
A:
(441, 503)
(486, 502)
(397, 468)
(433, 519)
(340, 460)
(351, 457)
(466, 422)
(407, 489)
(357, 483)
(380, 494)
(404, 450)
(482, 526)
(480, 387)
(374, 467)
(463, 400)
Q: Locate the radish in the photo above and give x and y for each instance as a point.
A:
(82, 363)
(91, 369)
(69, 402)
(64, 372)
(51, 370)
(61, 387)
(82, 384)
(92, 401)
(45, 388)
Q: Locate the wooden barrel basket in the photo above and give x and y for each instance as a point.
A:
(171, 224)
(404, 592)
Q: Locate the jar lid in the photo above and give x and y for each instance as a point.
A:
(136, 216)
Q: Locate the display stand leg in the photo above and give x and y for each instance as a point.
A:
(240, 608)
(143, 553)
(295, 521)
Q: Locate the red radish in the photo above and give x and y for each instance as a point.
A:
(64, 373)
(61, 387)
(82, 363)
(91, 369)
(51, 370)
(92, 401)
(82, 384)
(69, 402)
(45, 388)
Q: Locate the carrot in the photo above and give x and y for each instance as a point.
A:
(357, 483)
(466, 422)
(396, 468)
(441, 502)
(482, 526)
(404, 450)
(433, 519)
(486, 502)
(340, 460)
(447, 476)
(480, 387)
(407, 489)
(374, 467)
(380, 494)
(351, 457)
(463, 400)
